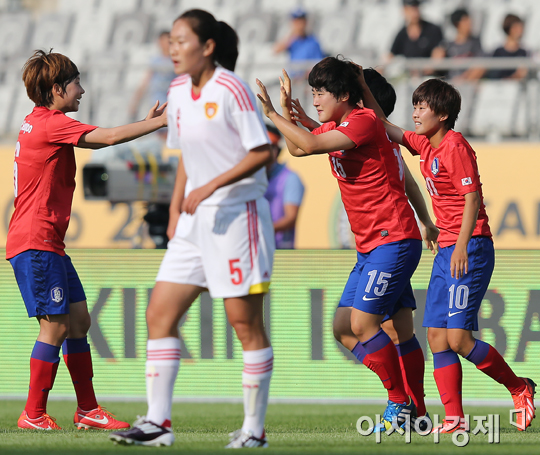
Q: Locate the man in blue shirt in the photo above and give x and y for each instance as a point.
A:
(300, 45)
(285, 192)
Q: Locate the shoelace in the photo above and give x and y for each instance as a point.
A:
(50, 419)
(104, 411)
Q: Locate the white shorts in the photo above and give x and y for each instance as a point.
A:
(227, 249)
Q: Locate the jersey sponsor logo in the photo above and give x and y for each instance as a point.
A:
(210, 109)
(384, 233)
(454, 313)
(466, 181)
(266, 275)
(435, 166)
(26, 127)
(344, 124)
(57, 294)
(367, 299)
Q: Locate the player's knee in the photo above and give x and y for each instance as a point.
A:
(84, 324)
(357, 328)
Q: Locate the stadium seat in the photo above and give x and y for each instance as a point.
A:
(496, 108)
(129, 30)
(371, 36)
(92, 6)
(14, 31)
(468, 92)
(152, 6)
(21, 106)
(110, 109)
(337, 31)
(254, 28)
(51, 31)
(6, 99)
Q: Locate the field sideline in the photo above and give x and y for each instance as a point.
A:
(201, 428)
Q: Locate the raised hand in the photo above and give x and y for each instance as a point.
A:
(265, 100)
(285, 91)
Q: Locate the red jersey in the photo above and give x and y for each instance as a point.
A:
(451, 172)
(370, 177)
(44, 178)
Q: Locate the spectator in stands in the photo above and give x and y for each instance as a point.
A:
(464, 45)
(301, 45)
(513, 27)
(418, 37)
(157, 79)
(285, 192)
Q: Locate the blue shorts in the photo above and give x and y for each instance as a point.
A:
(452, 303)
(48, 282)
(380, 282)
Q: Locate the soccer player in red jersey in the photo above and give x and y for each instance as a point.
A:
(399, 327)
(370, 176)
(44, 180)
(462, 269)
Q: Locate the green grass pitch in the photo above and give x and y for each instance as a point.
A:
(202, 428)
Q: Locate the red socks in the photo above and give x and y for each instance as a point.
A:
(79, 363)
(43, 367)
(488, 360)
(411, 361)
(382, 358)
(448, 376)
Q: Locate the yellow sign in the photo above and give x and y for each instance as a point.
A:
(508, 172)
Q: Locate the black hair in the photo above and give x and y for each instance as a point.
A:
(206, 27)
(338, 76)
(381, 89)
(457, 15)
(441, 97)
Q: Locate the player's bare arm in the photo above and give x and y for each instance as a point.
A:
(252, 162)
(430, 233)
(395, 133)
(177, 198)
(103, 137)
(304, 142)
(459, 262)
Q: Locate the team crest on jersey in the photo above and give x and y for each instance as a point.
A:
(435, 166)
(57, 294)
(210, 109)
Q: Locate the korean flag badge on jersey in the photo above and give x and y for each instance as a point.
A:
(466, 181)
(435, 166)
(344, 124)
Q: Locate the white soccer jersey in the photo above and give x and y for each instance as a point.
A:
(215, 132)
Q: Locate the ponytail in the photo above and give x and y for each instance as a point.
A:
(226, 52)
(206, 27)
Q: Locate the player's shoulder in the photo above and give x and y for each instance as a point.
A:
(363, 115)
(234, 89)
(455, 142)
(230, 81)
(179, 81)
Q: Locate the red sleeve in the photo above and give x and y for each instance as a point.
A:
(414, 142)
(62, 129)
(460, 163)
(359, 128)
(321, 129)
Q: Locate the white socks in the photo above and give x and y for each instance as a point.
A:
(162, 363)
(256, 384)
